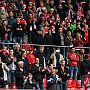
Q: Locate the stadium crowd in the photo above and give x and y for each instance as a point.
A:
(43, 22)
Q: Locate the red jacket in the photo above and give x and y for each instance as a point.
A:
(73, 59)
(31, 59)
(78, 43)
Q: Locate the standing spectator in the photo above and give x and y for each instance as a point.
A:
(69, 39)
(73, 62)
(5, 32)
(29, 27)
(26, 64)
(38, 74)
(56, 57)
(17, 52)
(54, 82)
(81, 55)
(84, 69)
(24, 11)
(19, 74)
(59, 37)
(11, 19)
(49, 70)
(78, 42)
(3, 14)
(4, 54)
(78, 30)
(42, 56)
(3, 74)
(18, 31)
(12, 64)
(31, 58)
(29, 82)
(48, 40)
(63, 73)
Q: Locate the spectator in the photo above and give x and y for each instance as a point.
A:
(63, 73)
(18, 31)
(49, 70)
(29, 27)
(5, 32)
(54, 81)
(82, 55)
(4, 54)
(3, 14)
(17, 52)
(29, 82)
(78, 42)
(73, 61)
(59, 37)
(56, 57)
(26, 65)
(69, 39)
(38, 74)
(31, 58)
(84, 69)
(42, 57)
(3, 74)
(11, 19)
(12, 64)
(19, 74)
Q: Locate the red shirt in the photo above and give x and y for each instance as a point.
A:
(31, 58)
(73, 59)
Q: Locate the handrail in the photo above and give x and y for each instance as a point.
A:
(44, 45)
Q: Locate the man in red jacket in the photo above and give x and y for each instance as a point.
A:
(73, 61)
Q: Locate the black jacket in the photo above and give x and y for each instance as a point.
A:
(37, 75)
(19, 77)
(61, 73)
(18, 30)
(30, 85)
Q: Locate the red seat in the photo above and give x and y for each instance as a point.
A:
(69, 84)
(79, 83)
(45, 82)
(74, 85)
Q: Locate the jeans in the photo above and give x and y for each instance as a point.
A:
(39, 85)
(73, 72)
(6, 41)
(11, 77)
(17, 39)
